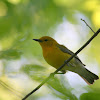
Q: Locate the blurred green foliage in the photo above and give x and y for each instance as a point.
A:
(23, 20)
(90, 96)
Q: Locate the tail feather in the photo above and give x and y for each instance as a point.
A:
(88, 76)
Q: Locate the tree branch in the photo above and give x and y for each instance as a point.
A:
(88, 25)
(66, 62)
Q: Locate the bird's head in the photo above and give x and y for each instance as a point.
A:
(46, 41)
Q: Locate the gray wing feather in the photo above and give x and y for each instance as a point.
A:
(66, 50)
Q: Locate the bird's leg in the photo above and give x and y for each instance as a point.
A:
(62, 72)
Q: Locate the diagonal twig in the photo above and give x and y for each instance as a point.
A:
(51, 75)
(87, 25)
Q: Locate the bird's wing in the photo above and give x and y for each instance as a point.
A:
(66, 50)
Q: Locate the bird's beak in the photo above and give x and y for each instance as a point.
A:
(38, 40)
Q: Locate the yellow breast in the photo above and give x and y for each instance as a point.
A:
(54, 56)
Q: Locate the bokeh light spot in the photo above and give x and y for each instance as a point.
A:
(14, 1)
(96, 18)
(64, 3)
(91, 5)
(3, 9)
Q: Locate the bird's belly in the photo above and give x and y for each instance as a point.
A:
(56, 59)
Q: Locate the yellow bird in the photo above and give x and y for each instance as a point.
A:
(56, 54)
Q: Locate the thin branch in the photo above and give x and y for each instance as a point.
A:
(88, 25)
(66, 62)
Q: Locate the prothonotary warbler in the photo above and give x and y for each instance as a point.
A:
(56, 54)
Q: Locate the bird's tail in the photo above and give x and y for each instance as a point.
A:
(88, 76)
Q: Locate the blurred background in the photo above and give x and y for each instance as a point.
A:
(22, 66)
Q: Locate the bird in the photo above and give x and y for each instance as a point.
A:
(56, 54)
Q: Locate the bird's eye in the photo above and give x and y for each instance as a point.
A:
(45, 40)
